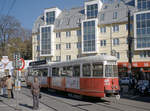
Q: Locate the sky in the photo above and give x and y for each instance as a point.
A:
(26, 11)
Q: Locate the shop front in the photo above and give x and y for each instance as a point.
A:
(140, 70)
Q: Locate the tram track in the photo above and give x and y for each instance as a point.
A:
(142, 108)
(58, 100)
(123, 104)
(81, 106)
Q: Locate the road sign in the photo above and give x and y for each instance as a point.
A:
(22, 64)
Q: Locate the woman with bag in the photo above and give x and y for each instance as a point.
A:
(35, 89)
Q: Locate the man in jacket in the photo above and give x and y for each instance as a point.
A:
(9, 84)
(35, 89)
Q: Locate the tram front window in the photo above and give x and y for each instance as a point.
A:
(111, 71)
(115, 69)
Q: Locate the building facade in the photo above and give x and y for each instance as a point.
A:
(95, 28)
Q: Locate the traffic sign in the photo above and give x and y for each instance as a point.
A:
(22, 64)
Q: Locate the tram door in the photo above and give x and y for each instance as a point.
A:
(73, 78)
(43, 73)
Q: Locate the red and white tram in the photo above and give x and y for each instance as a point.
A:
(95, 76)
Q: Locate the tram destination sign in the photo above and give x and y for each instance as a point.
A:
(35, 63)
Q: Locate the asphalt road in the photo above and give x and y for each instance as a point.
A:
(56, 101)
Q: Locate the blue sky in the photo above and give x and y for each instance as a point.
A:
(26, 11)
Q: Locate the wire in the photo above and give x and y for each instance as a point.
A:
(11, 7)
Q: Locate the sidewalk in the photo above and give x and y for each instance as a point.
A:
(24, 104)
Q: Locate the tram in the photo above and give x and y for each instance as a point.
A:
(95, 76)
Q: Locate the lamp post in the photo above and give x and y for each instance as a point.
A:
(129, 43)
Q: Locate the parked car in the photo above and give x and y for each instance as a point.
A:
(125, 80)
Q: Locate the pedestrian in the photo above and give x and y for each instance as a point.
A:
(3, 86)
(35, 89)
(9, 84)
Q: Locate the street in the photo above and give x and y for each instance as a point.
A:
(56, 101)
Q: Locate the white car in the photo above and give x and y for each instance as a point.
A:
(125, 80)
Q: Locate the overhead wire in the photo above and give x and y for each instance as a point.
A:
(11, 7)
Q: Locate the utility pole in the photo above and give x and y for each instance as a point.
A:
(129, 47)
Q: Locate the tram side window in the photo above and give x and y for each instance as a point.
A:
(76, 71)
(109, 71)
(64, 71)
(98, 70)
(55, 72)
(115, 69)
(86, 70)
(44, 72)
(69, 71)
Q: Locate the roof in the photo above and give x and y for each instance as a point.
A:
(39, 22)
(69, 19)
(89, 59)
(109, 9)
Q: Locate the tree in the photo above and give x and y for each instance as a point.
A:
(8, 27)
(14, 38)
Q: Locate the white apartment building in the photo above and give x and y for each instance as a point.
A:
(95, 28)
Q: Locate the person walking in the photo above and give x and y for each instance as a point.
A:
(35, 90)
(9, 84)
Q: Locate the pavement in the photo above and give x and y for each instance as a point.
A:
(50, 102)
(23, 103)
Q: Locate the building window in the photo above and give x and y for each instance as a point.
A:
(89, 43)
(143, 4)
(143, 30)
(116, 28)
(58, 46)
(144, 54)
(68, 34)
(68, 45)
(38, 48)
(103, 29)
(92, 11)
(103, 42)
(102, 17)
(68, 57)
(58, 58)
(115, 15)
(50, 17)
(78, 33)
(58, 34)
(103, 53)
(118, 55)
(116, 41)
(45, 40)
(79, 45)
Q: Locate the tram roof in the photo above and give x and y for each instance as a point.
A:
(88, 59)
